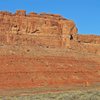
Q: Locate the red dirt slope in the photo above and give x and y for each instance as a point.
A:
(48, 71)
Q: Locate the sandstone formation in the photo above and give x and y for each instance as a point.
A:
(46, 30)
(45, 50)
(89, 43)
(89, 39)
(35, 29)
(49, 30)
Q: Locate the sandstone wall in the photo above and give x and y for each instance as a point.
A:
(87, 43)
(50, 30)
(89, 39)
(44, 29)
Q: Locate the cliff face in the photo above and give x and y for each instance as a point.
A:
(35, 29)
(46, 30)
(88, 43)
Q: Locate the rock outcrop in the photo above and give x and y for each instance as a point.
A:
(89, 43)
(35, 29)
(89, 39)
(46, 30)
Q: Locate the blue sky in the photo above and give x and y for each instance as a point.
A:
(85, 13)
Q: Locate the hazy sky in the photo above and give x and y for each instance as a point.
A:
(85, 13)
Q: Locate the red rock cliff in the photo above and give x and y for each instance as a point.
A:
(50, 30)
(35, 29)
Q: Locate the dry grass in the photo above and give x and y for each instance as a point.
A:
(69, 95)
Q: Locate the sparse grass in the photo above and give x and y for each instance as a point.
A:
(69, 95)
